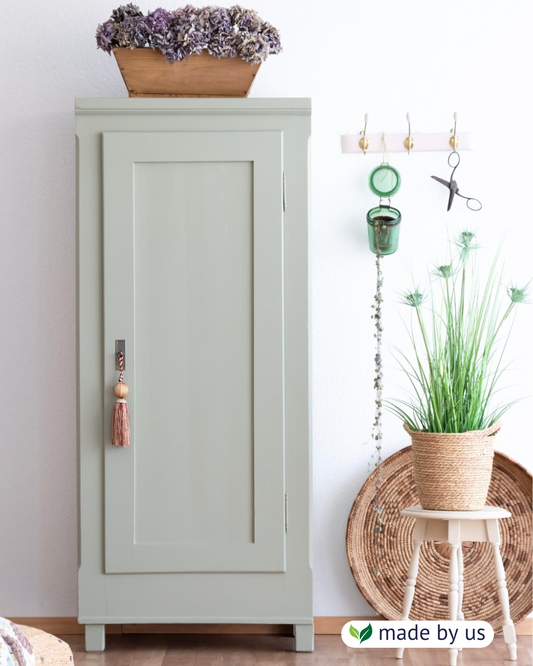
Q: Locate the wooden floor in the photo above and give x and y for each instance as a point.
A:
(159, 650)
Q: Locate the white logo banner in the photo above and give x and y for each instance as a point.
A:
(445, 634)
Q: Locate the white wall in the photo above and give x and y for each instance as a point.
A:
(383, 57)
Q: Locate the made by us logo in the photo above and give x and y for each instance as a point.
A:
(397, 634)
(362, 635)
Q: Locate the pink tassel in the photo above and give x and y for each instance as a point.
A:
(121, 424)
(120, 431)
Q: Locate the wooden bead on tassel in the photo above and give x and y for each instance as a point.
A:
(120, 435)
(121, 390)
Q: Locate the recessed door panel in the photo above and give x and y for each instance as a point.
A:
(194, 353)
(193, 283)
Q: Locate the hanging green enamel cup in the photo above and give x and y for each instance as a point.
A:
(383, 224)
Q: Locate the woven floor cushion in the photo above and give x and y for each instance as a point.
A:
(49, 650)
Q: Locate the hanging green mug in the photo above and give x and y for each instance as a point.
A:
(383, 229)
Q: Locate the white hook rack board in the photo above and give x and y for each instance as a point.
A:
(422, 142)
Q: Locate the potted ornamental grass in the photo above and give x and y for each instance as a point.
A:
(460, 329)
(189, 52)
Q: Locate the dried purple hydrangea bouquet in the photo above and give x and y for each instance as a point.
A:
(223, 33)
(215, 51)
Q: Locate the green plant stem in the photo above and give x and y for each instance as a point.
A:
(431, 369)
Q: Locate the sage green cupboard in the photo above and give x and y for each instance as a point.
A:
(193, 249)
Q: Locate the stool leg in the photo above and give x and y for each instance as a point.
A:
(454, 538)
(509, 634)
(460, 568)
(418, 536)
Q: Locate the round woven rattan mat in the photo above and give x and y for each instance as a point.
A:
(379, 562)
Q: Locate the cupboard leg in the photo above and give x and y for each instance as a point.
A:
(94, 637)
(304, 637)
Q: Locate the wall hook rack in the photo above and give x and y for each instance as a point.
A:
(398, 143)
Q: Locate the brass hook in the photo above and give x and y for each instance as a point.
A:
(454, 140)
(363, 141)
(409, 142)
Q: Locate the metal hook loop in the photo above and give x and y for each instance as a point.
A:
(456, 159)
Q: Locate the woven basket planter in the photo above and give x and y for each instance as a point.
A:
(146, 73)
(452, 471)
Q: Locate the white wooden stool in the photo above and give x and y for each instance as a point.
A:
(456, 527)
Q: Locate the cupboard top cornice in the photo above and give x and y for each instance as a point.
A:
(298, 106)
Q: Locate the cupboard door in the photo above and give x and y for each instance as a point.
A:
(193, 282)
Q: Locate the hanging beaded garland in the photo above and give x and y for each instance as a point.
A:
(377, 426)
(383, 232)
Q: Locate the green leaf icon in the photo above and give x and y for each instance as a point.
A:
(354, 632)
(365, 633)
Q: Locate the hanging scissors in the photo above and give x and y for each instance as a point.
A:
(473, 204)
